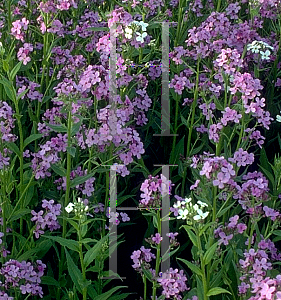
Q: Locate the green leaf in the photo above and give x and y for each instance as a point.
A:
(93, 252)
(75, 127)
(48, 280)
(57, 128)
(209, 254)
(98, 28)
(59, 169)
(191, 235)
(107, 294)
(216, 291)
(192, 267)
(71, 151)
(121, 296)
(221, 212)
(147, 273)
(15, 70)
(168, 254)
(80, 180)
(31, 138)
(179, 149)
(71, 244)
(14, 148)
(74, 272)
(20, 213)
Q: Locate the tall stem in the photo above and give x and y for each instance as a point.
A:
(158, 257)
(204, 281)
(67, 193)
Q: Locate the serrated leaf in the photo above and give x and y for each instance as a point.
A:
(147, 274)
(57, 128)
(14, 148)
(94, 251)
(19, 213)
(70, 244)
(15, 70)
(75, 127)
(71, 151)
(217, 291)
(31, 138)
(59, 169)
(48, 280)
(191, 235)
(80, 180)
(191, 266)
(209, 254)
(74, 272)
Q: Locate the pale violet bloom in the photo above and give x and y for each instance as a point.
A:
(200, 215)
(69, 207)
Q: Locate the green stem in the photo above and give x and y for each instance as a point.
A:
(158, 257)
(204, 281)
(193, 107)
(251, 235)
(84, 291)
(18, 117)
(144, 287)
(67, 192)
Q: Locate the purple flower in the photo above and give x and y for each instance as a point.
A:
(157, 239)
(173, 283)
(271, 213)
(224, 238)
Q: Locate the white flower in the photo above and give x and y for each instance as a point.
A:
(143, 25)
(278, 118)
(265, 54)
(195, 207)
(69, 207)
(187, 200)
(140, 37)
(202, 204)
(128, 32)
(182, 214)
(201, 215)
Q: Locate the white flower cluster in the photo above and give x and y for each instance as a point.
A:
(260, 47)
(78, 207)
(188, 211)
(136, 25)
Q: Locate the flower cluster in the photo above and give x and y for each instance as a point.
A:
(189, 212)
(262, 48)
(47, 218)
(218, 170)
(254, 268)
(153, 189)
(19, 28)
(141, 258)
(116, 217)
(79, 207)
(86, 188)
(227, 232)
(24, 275)
(242, 158)
(173, 283)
